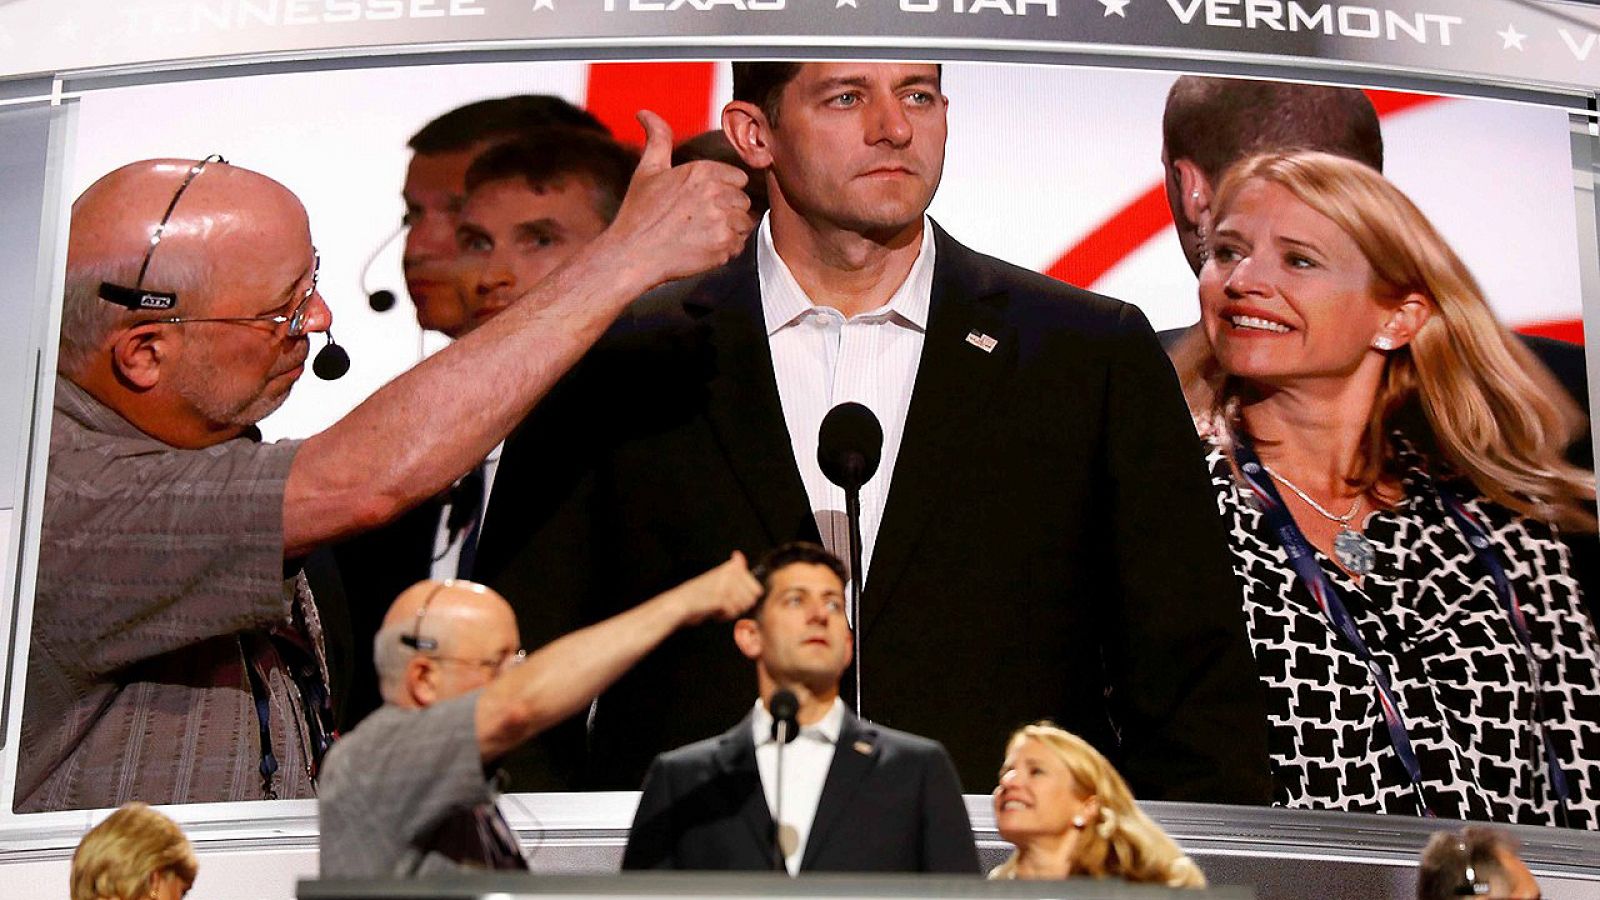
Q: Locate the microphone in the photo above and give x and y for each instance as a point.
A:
(785, 709)
(849, 448)
(332, 361)
(381, 300)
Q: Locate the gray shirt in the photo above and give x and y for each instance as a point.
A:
(405, 794)
(161, 576)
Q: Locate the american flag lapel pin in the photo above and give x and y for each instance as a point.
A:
(981, 341)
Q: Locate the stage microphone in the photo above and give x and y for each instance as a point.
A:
(381, 300)
(332, 361)
(785, 709)
(849, 448)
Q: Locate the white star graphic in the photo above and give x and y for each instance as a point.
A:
(1114, 8)
(841, 4)
(544, 4)
(1511, 37)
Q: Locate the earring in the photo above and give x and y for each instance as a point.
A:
(1077, 822)
(1383, 342)
(1202, 250)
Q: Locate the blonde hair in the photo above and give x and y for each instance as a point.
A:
(1123, 842)
(120, 858)
(1497, 415)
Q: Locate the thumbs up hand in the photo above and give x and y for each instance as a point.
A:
(678, 221)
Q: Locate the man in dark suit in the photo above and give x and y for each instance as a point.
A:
(855, 797)
(1047, 547)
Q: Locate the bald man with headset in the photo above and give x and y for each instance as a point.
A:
(176, 652)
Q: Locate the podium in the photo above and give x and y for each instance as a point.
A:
(678, 885)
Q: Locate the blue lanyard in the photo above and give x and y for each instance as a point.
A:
(1478, 539)
(1322, 591)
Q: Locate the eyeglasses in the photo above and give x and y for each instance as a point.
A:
(429, 646)
(296, 318)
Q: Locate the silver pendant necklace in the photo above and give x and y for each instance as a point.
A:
(1350, 547)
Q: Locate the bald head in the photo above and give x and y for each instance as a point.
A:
(236, 255)
(211, 236)
(464, 624)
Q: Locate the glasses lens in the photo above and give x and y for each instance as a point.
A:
(297, 319)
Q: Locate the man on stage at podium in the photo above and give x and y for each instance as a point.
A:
(847, 795)
(1038, 540)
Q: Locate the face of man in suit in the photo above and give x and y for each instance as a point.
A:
(799, 637)
(853, 146)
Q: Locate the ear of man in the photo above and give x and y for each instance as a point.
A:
(747, 637)
(421, 677)
(1194, 192)
(137, 354)
(747, 130)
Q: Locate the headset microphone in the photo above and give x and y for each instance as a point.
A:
(332, 361)
(381, 300)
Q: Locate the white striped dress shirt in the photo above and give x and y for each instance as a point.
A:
(822, 359)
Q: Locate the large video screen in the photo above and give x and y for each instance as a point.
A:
(1053, 169)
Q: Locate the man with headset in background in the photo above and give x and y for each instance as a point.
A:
(521, 203)
(175, 651)
(435, 193)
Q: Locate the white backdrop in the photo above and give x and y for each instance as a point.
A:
(1038, 157)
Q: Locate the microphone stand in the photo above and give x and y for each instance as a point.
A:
(781, 735)
(852, 513)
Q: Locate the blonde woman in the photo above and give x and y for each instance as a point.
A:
(1069, 813)
(1389, 461)
(135, 854)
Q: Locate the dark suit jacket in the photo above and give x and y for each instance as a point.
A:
(890, 803)
(1049, 547)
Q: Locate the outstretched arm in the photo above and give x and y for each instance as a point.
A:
(562, 677)
(417, 434)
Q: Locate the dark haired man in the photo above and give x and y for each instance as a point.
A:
(531, 204)
(435, 189)
(1474, 862)
(527, 204)
(1047, 547)
(856, 797)
(1211, 123)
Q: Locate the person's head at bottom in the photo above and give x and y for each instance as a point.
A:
(134, 854)
(1474, 862)
(1068, 812)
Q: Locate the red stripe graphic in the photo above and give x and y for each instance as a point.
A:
(678, 92)
(1115, 239)
(1569, 330)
